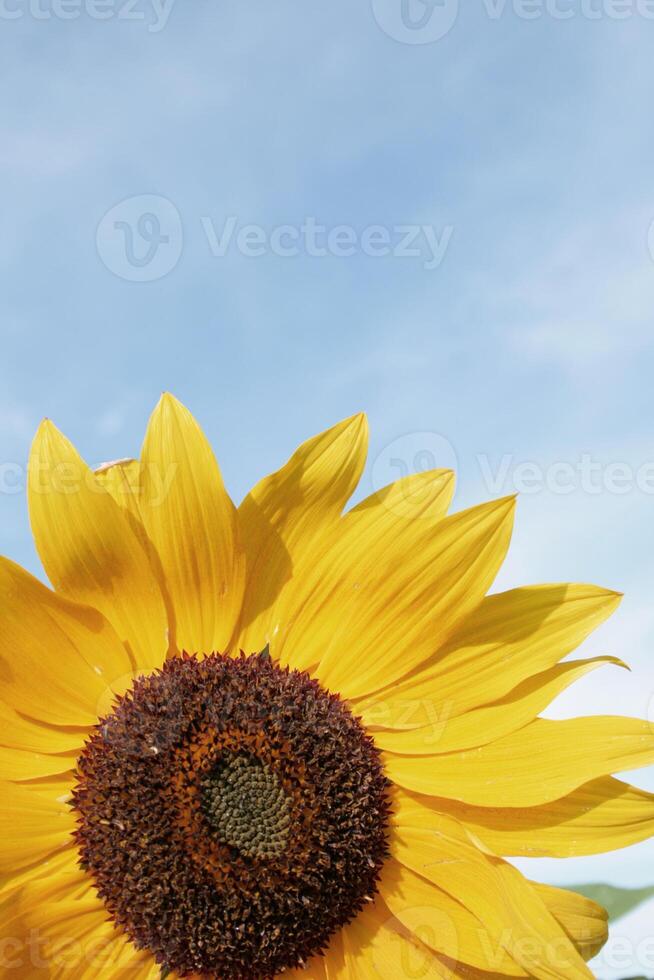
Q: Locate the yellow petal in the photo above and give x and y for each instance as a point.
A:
(287, 512)
(420, 500)
(603, 815)
(192, 524)
(441, 923)
(461, 971)
(585, 922)
(58, 879)
(423, 496)
(542, 762)
(19, 766)
(24, 733)
(376, 604)
(120, 960)
(437, 848)
(55, 867)
(88, 548)
(122, 479)
(376, 945)
(53, 913)
(65, 939)
(56, 919)
(506, 640)
(61, 663)
(58, 786)
(492, 721)
(32, 826)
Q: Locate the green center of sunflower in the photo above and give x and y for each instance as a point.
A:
(245, 803)
(233, 816)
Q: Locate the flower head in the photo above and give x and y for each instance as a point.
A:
(291, 739)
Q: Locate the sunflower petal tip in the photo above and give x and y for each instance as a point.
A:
(617, 662)
(169, 407)
(359, 419)
(168, 400)
(45, 433)
(354, 427)
(505, 505)
(611, 596)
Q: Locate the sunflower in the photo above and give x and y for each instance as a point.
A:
(288, 740)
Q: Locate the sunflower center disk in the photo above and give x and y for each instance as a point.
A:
(233, 816)
(246, 805)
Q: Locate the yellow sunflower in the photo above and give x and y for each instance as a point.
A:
(285, 740)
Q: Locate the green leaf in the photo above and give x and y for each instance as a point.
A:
(616, 901)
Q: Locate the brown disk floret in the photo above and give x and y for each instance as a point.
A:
(233, 816)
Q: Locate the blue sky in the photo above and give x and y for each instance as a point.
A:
(522, 144)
